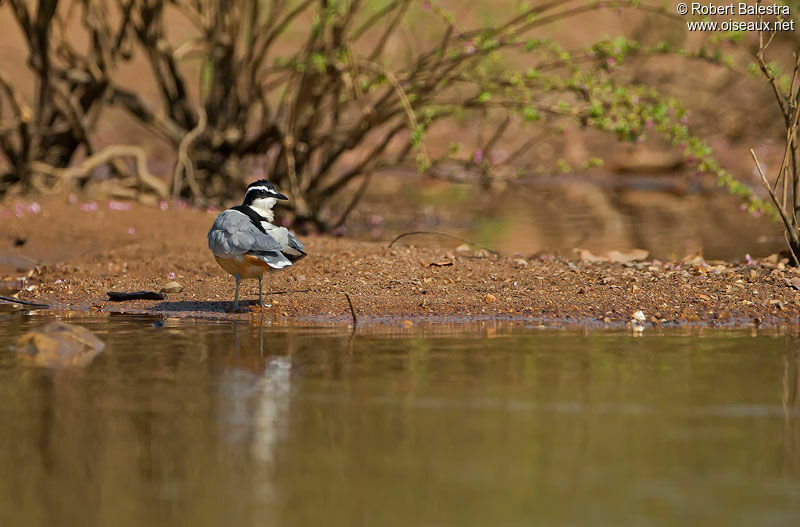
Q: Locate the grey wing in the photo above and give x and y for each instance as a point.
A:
(234, 234)
(294, 243)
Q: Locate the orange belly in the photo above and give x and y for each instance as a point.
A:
(244, 265)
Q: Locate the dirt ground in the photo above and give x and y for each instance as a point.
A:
(69, 255)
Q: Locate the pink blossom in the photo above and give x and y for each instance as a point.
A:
(163, 205)
(4, 213)
(119, 205)
(748, 260)
(89, 206)
(649, 124)
(34, 208)
(72, 199)
(131, 231)
(478, 156)
(58, 281)
(375, 219)
(611, 62)
(426, 6)
(182, 204)
(756, 213)
(19, 208)
(742, 207)
(470, 49)
(171, 276)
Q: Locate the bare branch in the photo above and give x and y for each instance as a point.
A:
(184, 164)
(67, 175)
(789, 230)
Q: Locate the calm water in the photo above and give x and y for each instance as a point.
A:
(203, 424)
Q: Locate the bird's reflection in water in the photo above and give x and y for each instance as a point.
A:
(272, 408)
(254, 399)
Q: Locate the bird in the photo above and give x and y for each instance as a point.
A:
(245, 242)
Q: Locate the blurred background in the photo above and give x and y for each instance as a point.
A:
(527, 126)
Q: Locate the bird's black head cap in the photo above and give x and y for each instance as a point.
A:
(261, 189)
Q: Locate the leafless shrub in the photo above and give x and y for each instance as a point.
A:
(784, 190)
(323, 114)
(42, 136)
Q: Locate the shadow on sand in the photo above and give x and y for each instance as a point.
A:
(204, 306)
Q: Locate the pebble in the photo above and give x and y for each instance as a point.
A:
(172, 287)
(637, 320)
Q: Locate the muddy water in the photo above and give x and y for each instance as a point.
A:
(207, 424)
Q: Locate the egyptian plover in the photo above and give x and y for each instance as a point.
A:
(246, 244)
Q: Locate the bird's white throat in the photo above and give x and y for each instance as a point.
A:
(263, 207)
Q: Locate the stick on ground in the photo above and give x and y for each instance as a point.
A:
(448, 235)
(352, 310)
(23, 302)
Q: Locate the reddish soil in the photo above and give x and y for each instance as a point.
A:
(80, 255)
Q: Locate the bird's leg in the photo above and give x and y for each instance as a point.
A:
(260, 302)
(236, 298)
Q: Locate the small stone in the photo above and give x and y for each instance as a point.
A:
(639, 316)
(172, 287)
(489, 298)
(521, 262)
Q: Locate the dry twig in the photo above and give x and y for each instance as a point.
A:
(448, 235)
(352, 310)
